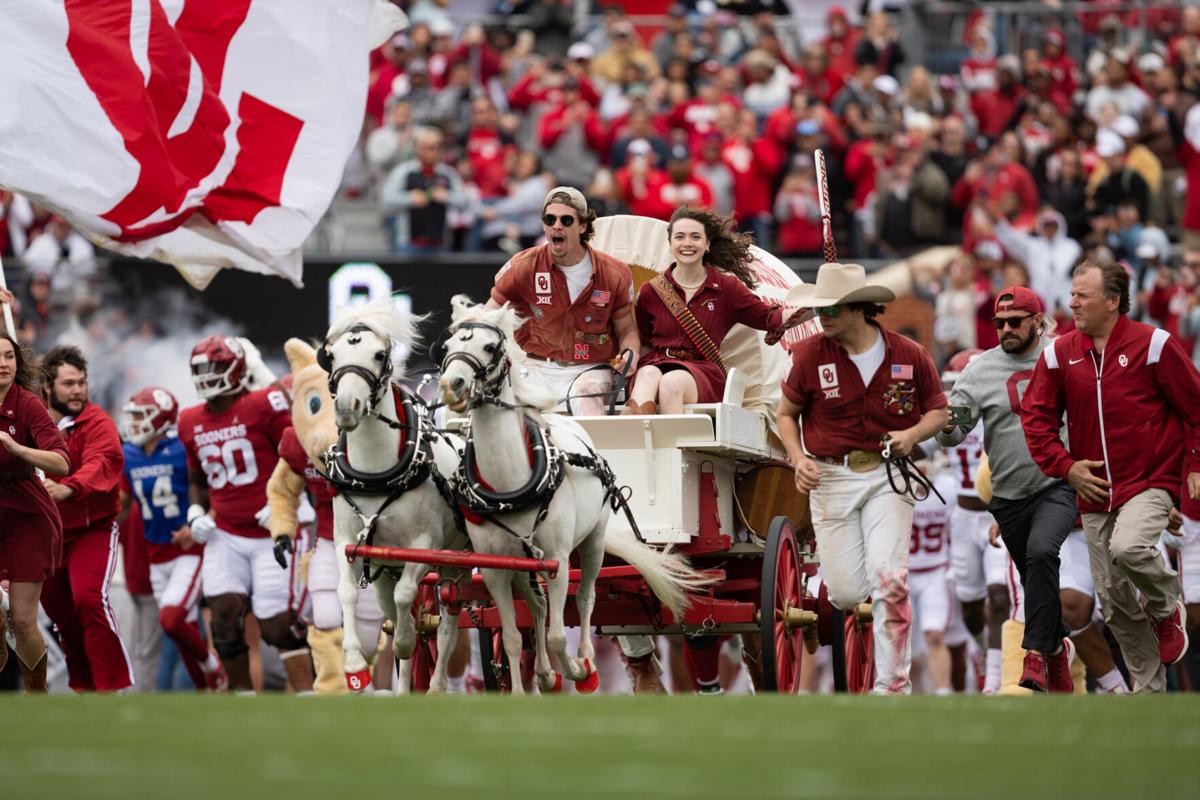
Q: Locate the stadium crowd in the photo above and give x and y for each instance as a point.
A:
(1029, 159)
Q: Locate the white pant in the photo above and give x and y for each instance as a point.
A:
(240, 565)
(565, 383)
(326, 608)
(1075, 570)
(177, 583)
(863, 530)
(929, 593)
(968, 554)
(1189, 559)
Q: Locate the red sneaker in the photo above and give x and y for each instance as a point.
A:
(1060, 669)
(1035, 676)
(1172, 636)
(218, 679)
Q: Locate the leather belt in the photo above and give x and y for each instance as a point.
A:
(971, 503)
(678, 354)
(559, 361)
(855, 460)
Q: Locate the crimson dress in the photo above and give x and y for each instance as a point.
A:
(31, 534)
(722, 302)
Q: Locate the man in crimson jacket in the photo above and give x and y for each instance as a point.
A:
(76, 595)
(1127, 389)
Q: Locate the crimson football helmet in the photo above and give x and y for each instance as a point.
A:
(218, 367)
(958, 362)
(150, 412)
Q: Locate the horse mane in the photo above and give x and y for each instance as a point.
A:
(381, 318)
(506, 319)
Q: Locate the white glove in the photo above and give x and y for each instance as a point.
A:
(305, 514)
(263, 516)
(201, 523)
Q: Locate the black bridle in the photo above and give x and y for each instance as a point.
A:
(489, 375)
(377, 381)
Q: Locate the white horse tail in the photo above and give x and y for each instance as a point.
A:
(668, 574)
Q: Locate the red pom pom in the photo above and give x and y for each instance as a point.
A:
(589, 684)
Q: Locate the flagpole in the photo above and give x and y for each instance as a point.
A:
(8, 315)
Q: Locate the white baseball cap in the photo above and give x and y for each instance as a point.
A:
(581, 51)
(1147, 250)
(1109, 143)
(1126, 126)
(569, 196)
(888, 85)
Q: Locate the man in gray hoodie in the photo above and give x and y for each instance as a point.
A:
(1035, 513)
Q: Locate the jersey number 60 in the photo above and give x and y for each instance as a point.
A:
(221, 463)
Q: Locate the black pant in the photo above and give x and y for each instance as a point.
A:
(1034, 529)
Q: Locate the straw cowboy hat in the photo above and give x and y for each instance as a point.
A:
(838, 284)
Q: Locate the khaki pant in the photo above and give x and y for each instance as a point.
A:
(1122, 547)
(863, 531)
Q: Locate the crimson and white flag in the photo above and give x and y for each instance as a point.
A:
(202, 133)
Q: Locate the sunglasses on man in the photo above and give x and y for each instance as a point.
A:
(828, 311)
(1010, 322)
(550, 219)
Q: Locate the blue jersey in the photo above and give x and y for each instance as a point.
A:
(160, 486)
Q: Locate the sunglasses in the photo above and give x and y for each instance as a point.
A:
(829, 311)
(1010, 322)
(550, 219)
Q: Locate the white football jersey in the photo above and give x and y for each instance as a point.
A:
(929, 547)
(964, 460)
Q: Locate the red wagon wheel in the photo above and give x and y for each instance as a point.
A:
(424, 658)
(782, 597)
(860, 654)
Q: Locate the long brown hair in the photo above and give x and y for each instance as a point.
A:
(23, 377)
(728, 250)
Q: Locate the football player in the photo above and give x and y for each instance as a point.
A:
(929, 571)
(156, 471)
(232, 442)
(977, 568)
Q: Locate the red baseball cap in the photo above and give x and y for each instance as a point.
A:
(1018, 298)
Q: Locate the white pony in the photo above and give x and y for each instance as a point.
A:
(382, 483)
(481, 373)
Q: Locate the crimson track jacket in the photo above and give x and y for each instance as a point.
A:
(1126, 407)
(95, 453)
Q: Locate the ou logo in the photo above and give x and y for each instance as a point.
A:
(355, 682)
(1123, 360)
(827, 376)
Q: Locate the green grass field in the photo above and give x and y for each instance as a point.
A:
(575, 747)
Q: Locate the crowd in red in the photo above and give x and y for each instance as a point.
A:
(1027, 157)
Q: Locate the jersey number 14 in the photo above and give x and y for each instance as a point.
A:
(162, 495)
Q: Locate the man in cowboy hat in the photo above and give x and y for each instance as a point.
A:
(854, 386)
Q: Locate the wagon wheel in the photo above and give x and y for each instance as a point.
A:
(424, 656)
(860, 655)
(782, 594)
(494, 661)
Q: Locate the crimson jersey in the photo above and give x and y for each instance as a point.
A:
(237, 450)
(319, 490)
(964, 461)
(930, 544)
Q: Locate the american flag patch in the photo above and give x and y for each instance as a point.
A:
(600, 299)
(902, 372)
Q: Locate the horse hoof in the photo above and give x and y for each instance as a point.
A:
(557, 687)
(589, 684)
(358, 681)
